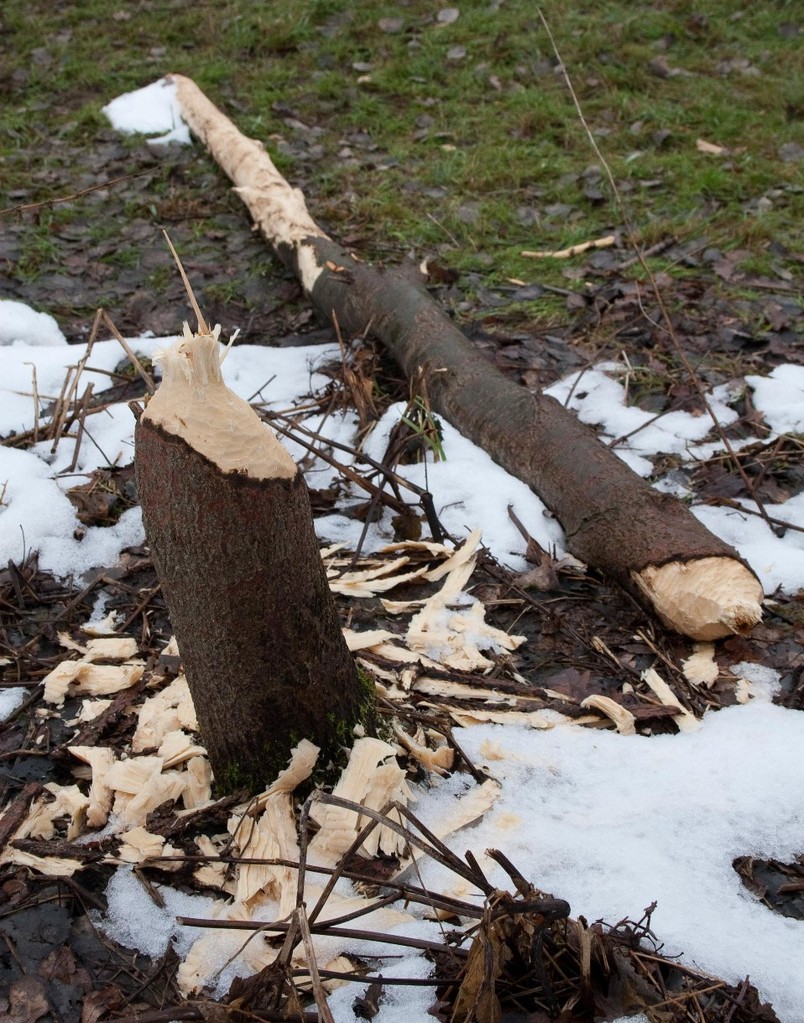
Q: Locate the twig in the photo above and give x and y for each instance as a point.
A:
(407, 892)
(325, 929)
(16, 812)
(82, 414)
(37, 411)
(319, 994)
(139, 608)
(144, 374)
(425, 497)
(24, 207)
(729, 502)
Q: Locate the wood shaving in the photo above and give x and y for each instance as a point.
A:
(82, 677)
(622, 718)
(53, 866)
(69, 801)
(90, 709)
(271, 836)
(359, 783)
(366, 640)
(539, 719)
(700, 668)
(177, 747)
(372, 581)
(139, 844)
(170, 709)
(686, 721)
(211, 875)
(439, 760)
(101, 760)
(198, 784)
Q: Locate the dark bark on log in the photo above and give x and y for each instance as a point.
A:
(248, 597)
(614, 520)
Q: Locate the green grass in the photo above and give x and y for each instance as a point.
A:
(461, 146)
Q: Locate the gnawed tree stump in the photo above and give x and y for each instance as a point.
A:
(616, 522)
(228, 521)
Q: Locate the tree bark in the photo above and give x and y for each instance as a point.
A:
(649, 543)
(228, 521)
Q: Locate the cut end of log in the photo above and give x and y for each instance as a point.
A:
(195, 404)
(706, 598)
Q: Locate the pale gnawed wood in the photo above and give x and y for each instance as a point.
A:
(278, 209)
(195, 404)
(706, 599)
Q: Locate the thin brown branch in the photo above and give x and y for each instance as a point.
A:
(46, 203)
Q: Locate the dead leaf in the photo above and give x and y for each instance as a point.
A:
(27, 1001)
(98, 1003)
(477, 997)
(59, 964)
(368, 1005)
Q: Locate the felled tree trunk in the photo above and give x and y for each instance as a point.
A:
(228, 521)
(647, 542)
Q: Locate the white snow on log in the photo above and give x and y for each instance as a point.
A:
(152, 110)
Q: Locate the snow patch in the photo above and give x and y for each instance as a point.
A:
(152, 110)
(21, 325)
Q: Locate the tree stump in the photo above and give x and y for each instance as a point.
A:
(227, 517)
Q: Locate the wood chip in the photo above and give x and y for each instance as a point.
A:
(686, 721)
(139, 844)
(711, 148)
(372, 581)
(81, 677)
(101, 760)
(700, 668)
(622, 718)
(177, 747)
(166, 711)
(198, 784)
(362, 781)
(439, 760)
(53, 866)
(366, 640)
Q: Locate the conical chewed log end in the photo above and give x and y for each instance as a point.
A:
(195, 404)
(705, 599)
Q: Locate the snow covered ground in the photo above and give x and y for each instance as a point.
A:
(609, 822)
